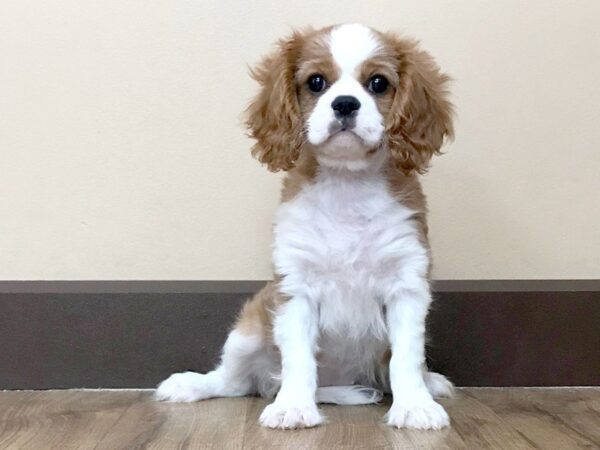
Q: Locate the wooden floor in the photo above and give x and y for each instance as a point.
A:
(556, 419)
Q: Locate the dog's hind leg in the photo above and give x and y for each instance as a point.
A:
(246, 364)
(232, 378)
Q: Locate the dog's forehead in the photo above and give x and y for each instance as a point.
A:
(352, 44)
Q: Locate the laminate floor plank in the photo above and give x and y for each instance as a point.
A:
(480, 427)
(492, 418)
(59, 420)
(565, 418)
(211, 424)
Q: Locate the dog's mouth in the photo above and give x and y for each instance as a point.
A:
(344, 132)
(346, 142)
(349, 138)
(345, 138)
(342, 126)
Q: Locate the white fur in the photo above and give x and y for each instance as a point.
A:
(407, 303)
(230, 379)
(347, 248)
(355, 271)
(438, 385)
(348, 395)
(295, 331)
(351, 44)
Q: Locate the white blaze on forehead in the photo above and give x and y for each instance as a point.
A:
(350, 45)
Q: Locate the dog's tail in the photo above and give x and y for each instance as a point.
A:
(348, 395)
(438, 386)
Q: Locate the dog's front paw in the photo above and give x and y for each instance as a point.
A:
(424, 415)
(181, 387)
(278, 415)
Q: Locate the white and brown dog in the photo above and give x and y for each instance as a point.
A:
(353, 115)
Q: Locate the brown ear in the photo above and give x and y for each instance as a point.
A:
(421, 114)
(273, 117)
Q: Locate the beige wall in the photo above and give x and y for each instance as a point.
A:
(122, 155)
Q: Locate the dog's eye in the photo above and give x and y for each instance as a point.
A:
(378, 84)
(317, 83)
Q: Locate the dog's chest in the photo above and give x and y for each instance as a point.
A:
(338, 241)
(340, 228)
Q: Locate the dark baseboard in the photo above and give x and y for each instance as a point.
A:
(125, 334)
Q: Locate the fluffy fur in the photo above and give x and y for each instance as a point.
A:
(344, 319)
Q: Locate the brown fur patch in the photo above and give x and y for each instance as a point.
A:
(421, 115)
(299, 176)
(407, 190)
(315, 59)
(384, 63)
(273, 117)
(276, 116)
(256, 316)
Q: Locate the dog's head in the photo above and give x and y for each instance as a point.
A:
(349, 94)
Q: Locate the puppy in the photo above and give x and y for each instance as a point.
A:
(353, 116)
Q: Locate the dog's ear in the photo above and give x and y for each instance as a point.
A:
(421, 114)
(273, 117)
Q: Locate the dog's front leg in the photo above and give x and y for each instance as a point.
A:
(413, 405)
(295, 331)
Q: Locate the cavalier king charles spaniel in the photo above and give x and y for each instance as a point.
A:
(353, 116)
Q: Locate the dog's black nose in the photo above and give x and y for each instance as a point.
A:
(345, 105)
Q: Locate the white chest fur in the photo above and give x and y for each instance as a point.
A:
(342, 243)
